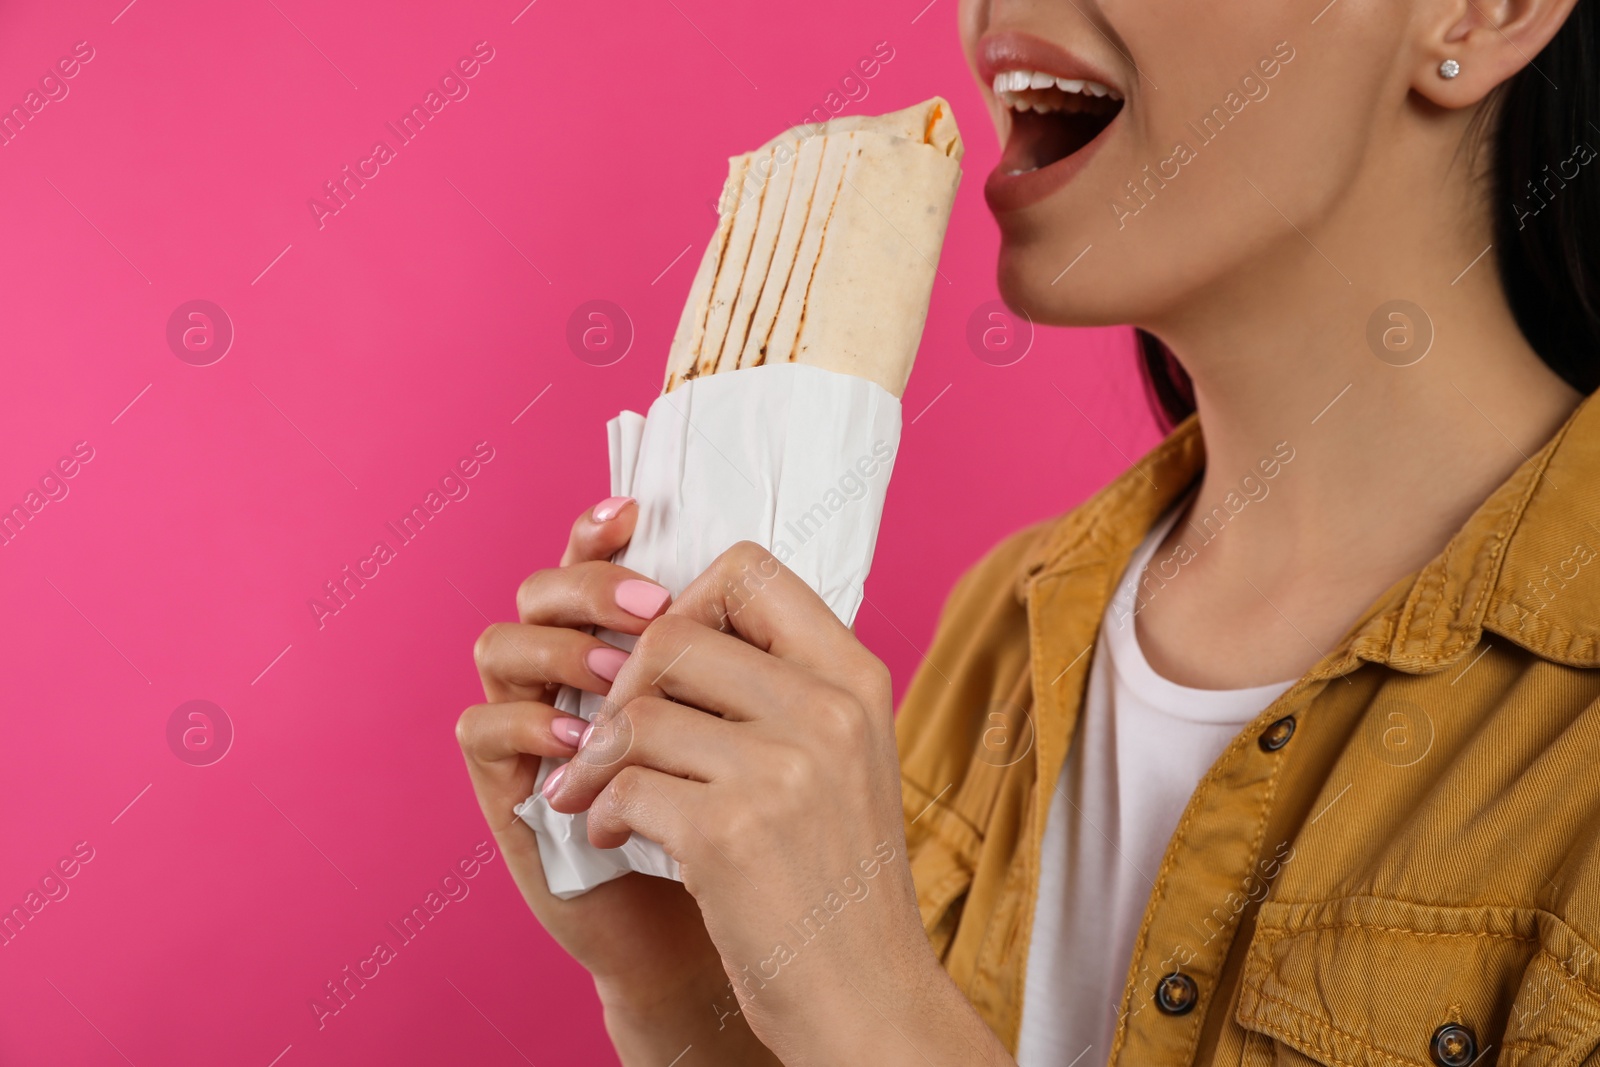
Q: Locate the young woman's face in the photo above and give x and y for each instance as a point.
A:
(1228, 130)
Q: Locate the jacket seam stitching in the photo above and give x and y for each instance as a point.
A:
(1574, 983)
(1501, 546)
(937, 811)
(1279, 1033)
(1237, 921)
(1206, 787)
(1024, 867)
(1323, 1024)
(1280, 933)
(1394, 898)
(1570, 638)
(1487, 565)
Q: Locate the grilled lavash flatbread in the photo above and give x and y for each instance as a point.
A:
(826, 249)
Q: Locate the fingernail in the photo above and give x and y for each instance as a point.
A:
(552, 783)
(567, 730)
(606, 662)
(639, 598)
(587, 730)
(610, 507)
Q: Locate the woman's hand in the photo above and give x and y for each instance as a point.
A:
(783, 807)
(642, 938)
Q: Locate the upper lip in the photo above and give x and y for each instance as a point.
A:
(1012, 50)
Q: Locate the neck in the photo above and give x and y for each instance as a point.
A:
(1342, 453)
(1388, 460)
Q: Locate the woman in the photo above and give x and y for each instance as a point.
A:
(1277, 751)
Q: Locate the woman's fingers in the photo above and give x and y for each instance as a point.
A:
(747, 590)
(518, 662)
(647, 731)
(714, 671)
(601, 531)
(652, 804)
(494, 733)
(500, 743)
(595, 593)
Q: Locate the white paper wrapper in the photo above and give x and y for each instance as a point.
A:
(793, 457)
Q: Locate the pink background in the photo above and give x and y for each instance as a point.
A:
(369, 356)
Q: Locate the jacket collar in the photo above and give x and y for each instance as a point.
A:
(1525, 566)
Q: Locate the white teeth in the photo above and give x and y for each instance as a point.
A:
(1009, 82)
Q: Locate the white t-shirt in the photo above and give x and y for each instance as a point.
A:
(1141, 747)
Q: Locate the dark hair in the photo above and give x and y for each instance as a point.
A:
(1546, 235)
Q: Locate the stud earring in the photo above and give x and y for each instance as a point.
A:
(1449, 69)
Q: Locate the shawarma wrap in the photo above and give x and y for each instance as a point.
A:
(825, 250)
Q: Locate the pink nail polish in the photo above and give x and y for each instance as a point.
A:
(587, 730)
(639, 598)
(552, 783)
(611, 507)
(605, 662)
(567, 729)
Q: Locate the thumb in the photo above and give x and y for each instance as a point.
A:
(601, 531)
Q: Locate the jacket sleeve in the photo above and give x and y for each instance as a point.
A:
(978, 656)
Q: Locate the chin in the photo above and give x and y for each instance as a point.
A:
(1026, 268)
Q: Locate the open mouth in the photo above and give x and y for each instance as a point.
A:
(1051, 117)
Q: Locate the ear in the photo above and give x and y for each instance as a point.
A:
(1490, 39)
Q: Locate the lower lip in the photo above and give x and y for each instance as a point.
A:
(1012, 192)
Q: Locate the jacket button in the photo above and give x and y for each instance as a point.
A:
(1277, 735)
(1176, 994)
(1453, 1045)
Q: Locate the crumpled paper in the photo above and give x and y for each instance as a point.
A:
(793, 457)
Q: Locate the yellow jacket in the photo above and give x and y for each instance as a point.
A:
(1397, 863)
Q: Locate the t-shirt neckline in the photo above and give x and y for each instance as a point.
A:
(1234, 706)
